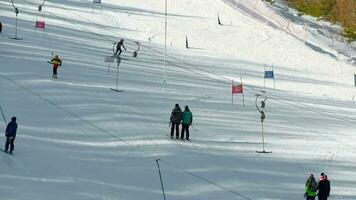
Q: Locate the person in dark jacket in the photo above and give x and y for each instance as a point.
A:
(187, 119)
(10, 134)
(323, 187)
(176, 117)
(118, 47)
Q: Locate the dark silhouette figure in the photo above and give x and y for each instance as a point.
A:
(118, 47)
(176, 117)
(10, 134)
(323, 187)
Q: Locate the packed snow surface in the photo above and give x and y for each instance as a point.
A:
(78, 139)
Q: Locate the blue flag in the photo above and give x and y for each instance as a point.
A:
(269, 74)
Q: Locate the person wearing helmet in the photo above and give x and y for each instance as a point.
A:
(56, 61)
(118, 47)
(10, 134)
(187, 119)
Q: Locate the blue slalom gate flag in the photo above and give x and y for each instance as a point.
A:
(269, 74)
(96, 1)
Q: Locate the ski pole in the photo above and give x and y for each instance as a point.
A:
(195, 129)
(3, 115)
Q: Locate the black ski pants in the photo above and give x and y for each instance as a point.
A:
(185, 127)
(322, 197)
(10, 142)
(55, 71)
(118, 50)
(310, 198)
(175, 126)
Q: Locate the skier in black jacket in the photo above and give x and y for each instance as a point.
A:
(10, 135)
(323, 187)
(176, 117)
(118, 47)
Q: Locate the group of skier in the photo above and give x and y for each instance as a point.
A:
(320, 189)
(57, 62)
(178, 117)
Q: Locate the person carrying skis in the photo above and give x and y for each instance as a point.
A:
(176, 117)
(57, 62)
(323, 187)
(187, 119)
(10, 134)
(118, 47)
(311, 187)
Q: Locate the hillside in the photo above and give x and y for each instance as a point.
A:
(78, 139)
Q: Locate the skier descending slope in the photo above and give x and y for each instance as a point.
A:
(57, 62)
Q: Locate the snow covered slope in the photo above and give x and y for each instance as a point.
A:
(78, 139)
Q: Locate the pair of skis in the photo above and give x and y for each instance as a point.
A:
(2, 150)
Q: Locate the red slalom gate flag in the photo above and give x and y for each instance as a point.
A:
(237, 89)
(40, 24)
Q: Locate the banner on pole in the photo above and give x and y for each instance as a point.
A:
(269, 74)
(109, 59)
(40, 24)
(237, 89)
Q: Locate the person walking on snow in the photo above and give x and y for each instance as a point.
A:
(311, 187)
(323, 187)
(187, 119)
(57, 62)
(10, 134)
(118, 47)
(176, 117)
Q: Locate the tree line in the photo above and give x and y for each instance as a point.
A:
(342, 12)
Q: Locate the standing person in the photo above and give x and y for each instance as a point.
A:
(311, 187)
(118, 47)
(187, 119)
(176, 117)
(323, 187)
(57, 62)
(10, 134)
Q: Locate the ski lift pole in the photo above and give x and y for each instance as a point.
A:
(165, 42)
(263, 116)
(160, 178)
(16, 12)
(40, 6)
(117, 72)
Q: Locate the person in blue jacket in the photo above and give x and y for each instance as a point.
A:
(10, 135)
(187, 119)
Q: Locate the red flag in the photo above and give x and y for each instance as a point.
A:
(237, 89)
(40, 24)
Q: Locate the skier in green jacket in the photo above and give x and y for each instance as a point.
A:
(310, 188)
(187, 119)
